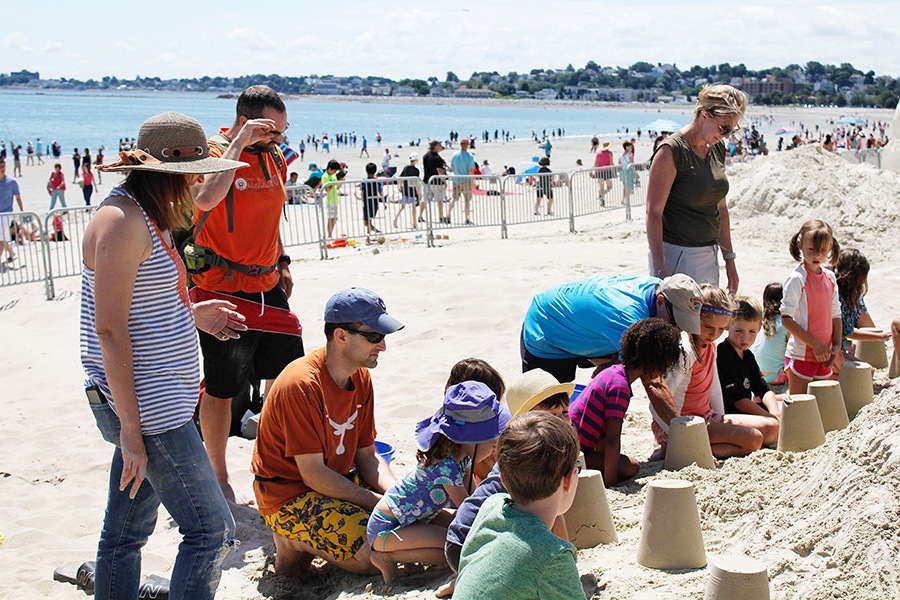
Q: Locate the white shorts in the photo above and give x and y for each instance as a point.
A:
(332, 211)
(5, 222)
(701, 263)
(434, 191)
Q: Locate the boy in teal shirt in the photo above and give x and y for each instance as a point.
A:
(510, 553)
(332, 199)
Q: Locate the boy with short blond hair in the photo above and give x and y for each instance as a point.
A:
(510, 553)
(744, 389)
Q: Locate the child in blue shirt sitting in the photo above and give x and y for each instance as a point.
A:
(408, 525)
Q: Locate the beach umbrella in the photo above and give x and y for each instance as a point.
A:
(663, 125)
(290, 155)
(851, 121)
(528, 171)
(789, 131)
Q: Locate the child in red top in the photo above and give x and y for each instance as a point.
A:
(811, 307)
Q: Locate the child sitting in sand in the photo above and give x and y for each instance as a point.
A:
(408, 524)
(510, 551)
(768, 349)
(649, 349)
(535, 390)
(744, 390)
(852, 274)
(811, 308)
(695, 387)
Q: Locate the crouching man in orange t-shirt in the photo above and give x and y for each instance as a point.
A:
(317, 476)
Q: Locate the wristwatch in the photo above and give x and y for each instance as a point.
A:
(284, 258)
(729, 255)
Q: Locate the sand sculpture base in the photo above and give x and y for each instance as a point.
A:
(688, 444)
(737, 578)
(801, 426)
(670, 530)
(856, 386)
(589, 520)
(874, 353)
(831, 404)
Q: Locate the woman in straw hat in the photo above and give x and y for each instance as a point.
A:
(139, 351)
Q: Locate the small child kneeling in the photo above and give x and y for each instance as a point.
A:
(510, 551)
(408, 524)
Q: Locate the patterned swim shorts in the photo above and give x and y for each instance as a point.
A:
(334, 527)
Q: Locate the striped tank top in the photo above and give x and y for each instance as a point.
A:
(163, 339)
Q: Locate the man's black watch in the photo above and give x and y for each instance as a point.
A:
(284, 258)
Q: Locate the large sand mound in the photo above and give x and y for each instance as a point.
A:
(772, 196)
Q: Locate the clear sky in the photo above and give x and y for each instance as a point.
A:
(191, 38)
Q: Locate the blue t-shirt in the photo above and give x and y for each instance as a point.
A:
(462, 162)
(770, 351)
(586, 318)
(9, 189)
(468, 510)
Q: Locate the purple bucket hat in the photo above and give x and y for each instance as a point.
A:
(471, 414)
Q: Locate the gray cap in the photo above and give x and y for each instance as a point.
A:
(684, 295)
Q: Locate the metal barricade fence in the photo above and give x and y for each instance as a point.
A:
(302, 219)
(64, 233)
(535, 197)
(464, 201)
(871, 156)
(27, 241)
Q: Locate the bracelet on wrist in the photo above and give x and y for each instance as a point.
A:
(729, 255)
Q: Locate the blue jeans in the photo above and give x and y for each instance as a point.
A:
(57, 195)
(180, 477)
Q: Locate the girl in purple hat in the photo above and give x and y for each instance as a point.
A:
(409, 523)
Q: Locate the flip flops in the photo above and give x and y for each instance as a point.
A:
(153, 588)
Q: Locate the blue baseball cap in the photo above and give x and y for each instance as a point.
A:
(359, 305)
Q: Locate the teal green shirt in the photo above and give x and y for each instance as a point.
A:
(332, 191)
(511, 555)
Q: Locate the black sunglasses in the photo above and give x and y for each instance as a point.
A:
(373, 337)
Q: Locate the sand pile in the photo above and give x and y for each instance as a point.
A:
(772, 196)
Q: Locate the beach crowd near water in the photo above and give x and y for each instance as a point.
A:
(498, 458)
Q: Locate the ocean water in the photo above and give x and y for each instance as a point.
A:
(90, 119)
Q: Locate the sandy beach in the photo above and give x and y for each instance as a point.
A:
(826, 522)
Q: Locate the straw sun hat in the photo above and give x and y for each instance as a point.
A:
(531, 388)
(172, 143)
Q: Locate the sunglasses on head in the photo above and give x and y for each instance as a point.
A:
(373, 337)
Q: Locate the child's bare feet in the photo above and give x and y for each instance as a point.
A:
(388, 567)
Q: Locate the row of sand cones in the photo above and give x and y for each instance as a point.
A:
(671, 537)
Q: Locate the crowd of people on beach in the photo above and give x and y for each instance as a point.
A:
(497, 464)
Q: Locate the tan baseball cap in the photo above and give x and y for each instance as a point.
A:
(683, 294)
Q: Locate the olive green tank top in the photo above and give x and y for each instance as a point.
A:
(691, 215)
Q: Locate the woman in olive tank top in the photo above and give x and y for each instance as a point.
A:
(687, 219)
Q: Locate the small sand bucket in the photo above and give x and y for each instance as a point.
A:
(670, 530)
(801, 426)
(737, 578)
(874, 352)
(688, 444)
(384, 450)
(589, 519)
(831, 404)
(856, 386)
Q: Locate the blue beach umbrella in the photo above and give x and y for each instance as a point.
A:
(528, 171)
(845, 120)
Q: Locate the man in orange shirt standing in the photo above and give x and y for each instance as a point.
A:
(236, 230)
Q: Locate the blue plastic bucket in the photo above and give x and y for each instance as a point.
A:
(384, 450)
(575, 393)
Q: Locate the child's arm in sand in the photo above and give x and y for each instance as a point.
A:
(864, 320)
(749, 407)
(773, 403)
(612, 445)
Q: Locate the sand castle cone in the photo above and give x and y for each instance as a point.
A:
(831, 404)
(856, 386)
(894, 371)
(737, 578)
(801, 426)
(670, 531)
(589, 519)
(688, 444)
(874, 352)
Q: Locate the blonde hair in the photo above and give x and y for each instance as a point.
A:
(721, 99)
(715, 300)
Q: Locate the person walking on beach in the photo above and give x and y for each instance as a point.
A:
(433, 165)
(237, 217)
(626, 172)
(386, 167)
(76, 160)
(56, 187)
(462, 163)
(87, 183)
(39, 151)
(604, 158)
(98, 160)
(317, 476)
(139, 352)
(17, 160)
(9, 191)
(365, 148)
